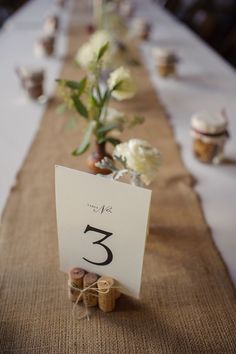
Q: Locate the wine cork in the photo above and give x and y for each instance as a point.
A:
(90, 297)
(76, 276)
(106, 300)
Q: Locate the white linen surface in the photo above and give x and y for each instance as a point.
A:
(20, 116)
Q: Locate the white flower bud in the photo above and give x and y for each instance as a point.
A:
(121, 84)
(140, 157)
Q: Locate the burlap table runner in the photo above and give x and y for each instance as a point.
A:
(187, 301)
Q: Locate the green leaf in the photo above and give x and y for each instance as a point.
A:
(105, 97)
(102, 51)
(74, 85)
(61, 108)
(86, 140)
(82, 83)
(136, 121)
(109, 139)
(109, 127)
(117, 86)
(80, 107)
(95, 102)
(113, 141)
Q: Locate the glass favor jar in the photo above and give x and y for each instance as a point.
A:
(32, 81)
(51, 25)
(209, 133)
(141, 29)
(45, 46)
(166, 62)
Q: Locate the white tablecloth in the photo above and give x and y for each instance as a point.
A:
(20, 117)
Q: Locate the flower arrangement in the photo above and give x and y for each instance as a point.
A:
(87, 53)
(137, 158)
(90, 98)
(117, 53)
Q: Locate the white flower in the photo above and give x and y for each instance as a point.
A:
(99, 38)
(121, 84)
(89, 50)
(140, 157)
(85, 55)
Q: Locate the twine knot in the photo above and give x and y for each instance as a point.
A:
(105, 287)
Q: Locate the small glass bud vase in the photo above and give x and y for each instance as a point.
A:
(97, 156)
(165, 62)
(209, 133)
(45, 46)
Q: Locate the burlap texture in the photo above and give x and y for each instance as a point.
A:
(187, 301)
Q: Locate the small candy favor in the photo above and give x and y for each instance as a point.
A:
(166, 62)
(45, 46)
(51, 25)
(209, 133)
(141, 28)
(32, 81)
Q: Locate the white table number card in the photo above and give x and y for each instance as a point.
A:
(102, 226)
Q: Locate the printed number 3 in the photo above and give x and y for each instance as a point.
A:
(99, 242)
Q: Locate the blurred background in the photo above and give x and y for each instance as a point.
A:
(8, 7)
(213, 20)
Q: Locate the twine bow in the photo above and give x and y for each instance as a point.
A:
(106, 287)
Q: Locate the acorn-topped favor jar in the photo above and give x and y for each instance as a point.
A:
(51, 25)
(166, 61)
(45, 46)
(141, 29)
(209, 133)
(32, 81)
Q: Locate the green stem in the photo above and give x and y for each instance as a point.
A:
(99, 93)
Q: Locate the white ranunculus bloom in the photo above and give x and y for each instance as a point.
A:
(140, 157)
(125, 86)
(99, 38)
(85, 55)
(89, 51)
